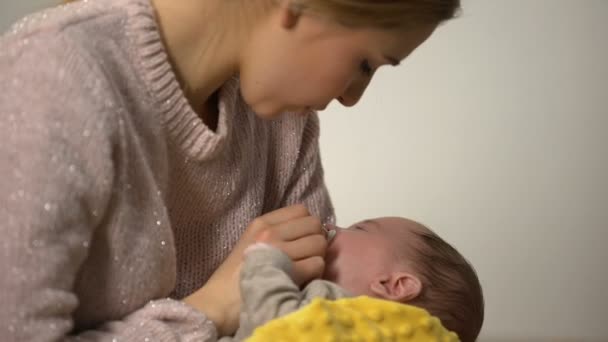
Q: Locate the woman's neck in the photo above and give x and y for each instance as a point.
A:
(203, 41)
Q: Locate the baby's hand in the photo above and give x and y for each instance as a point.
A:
(262, 254)
(256, 247)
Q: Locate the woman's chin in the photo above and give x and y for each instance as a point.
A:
(274, 113)
(267, 112)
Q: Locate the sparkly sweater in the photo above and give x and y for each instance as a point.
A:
(115, 199)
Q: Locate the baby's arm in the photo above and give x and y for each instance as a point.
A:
(269, 292)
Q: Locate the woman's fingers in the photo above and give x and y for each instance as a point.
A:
(295, 232)
(308, 269)
(284, 214)
(274, 218)
(290, 230)
(306, 247)
(299, 228)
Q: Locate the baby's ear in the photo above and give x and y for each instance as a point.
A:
(397, 286)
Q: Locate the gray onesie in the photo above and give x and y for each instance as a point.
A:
(268, 292)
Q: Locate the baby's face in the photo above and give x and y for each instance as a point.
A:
(365, 250)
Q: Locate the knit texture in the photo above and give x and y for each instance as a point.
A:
(114, 195)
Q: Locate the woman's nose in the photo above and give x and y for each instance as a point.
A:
(353, 93)
(347, 101)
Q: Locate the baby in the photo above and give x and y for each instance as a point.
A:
(388, 258)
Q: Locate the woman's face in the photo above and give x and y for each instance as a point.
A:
(298, 64)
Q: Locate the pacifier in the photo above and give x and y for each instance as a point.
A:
(329, 233)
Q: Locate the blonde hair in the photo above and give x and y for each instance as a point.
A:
(383, 14)
(451, 289)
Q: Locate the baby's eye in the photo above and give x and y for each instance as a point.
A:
(366, 68)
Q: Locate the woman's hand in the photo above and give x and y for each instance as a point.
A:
(291, 229)
(296, 233)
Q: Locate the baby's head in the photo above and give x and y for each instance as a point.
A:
(401, 260)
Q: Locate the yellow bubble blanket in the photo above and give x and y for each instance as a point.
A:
(359, 319)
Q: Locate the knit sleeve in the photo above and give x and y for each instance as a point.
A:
(307, 185)
(56, 177)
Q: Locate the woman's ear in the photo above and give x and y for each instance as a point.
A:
(397, 286)
(291, 11)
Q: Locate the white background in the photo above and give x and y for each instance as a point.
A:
(495, 134)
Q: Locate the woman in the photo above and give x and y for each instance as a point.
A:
(136, 166)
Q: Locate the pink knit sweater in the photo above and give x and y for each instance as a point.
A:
(114, 196)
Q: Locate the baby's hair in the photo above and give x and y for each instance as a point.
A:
(451, 289)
